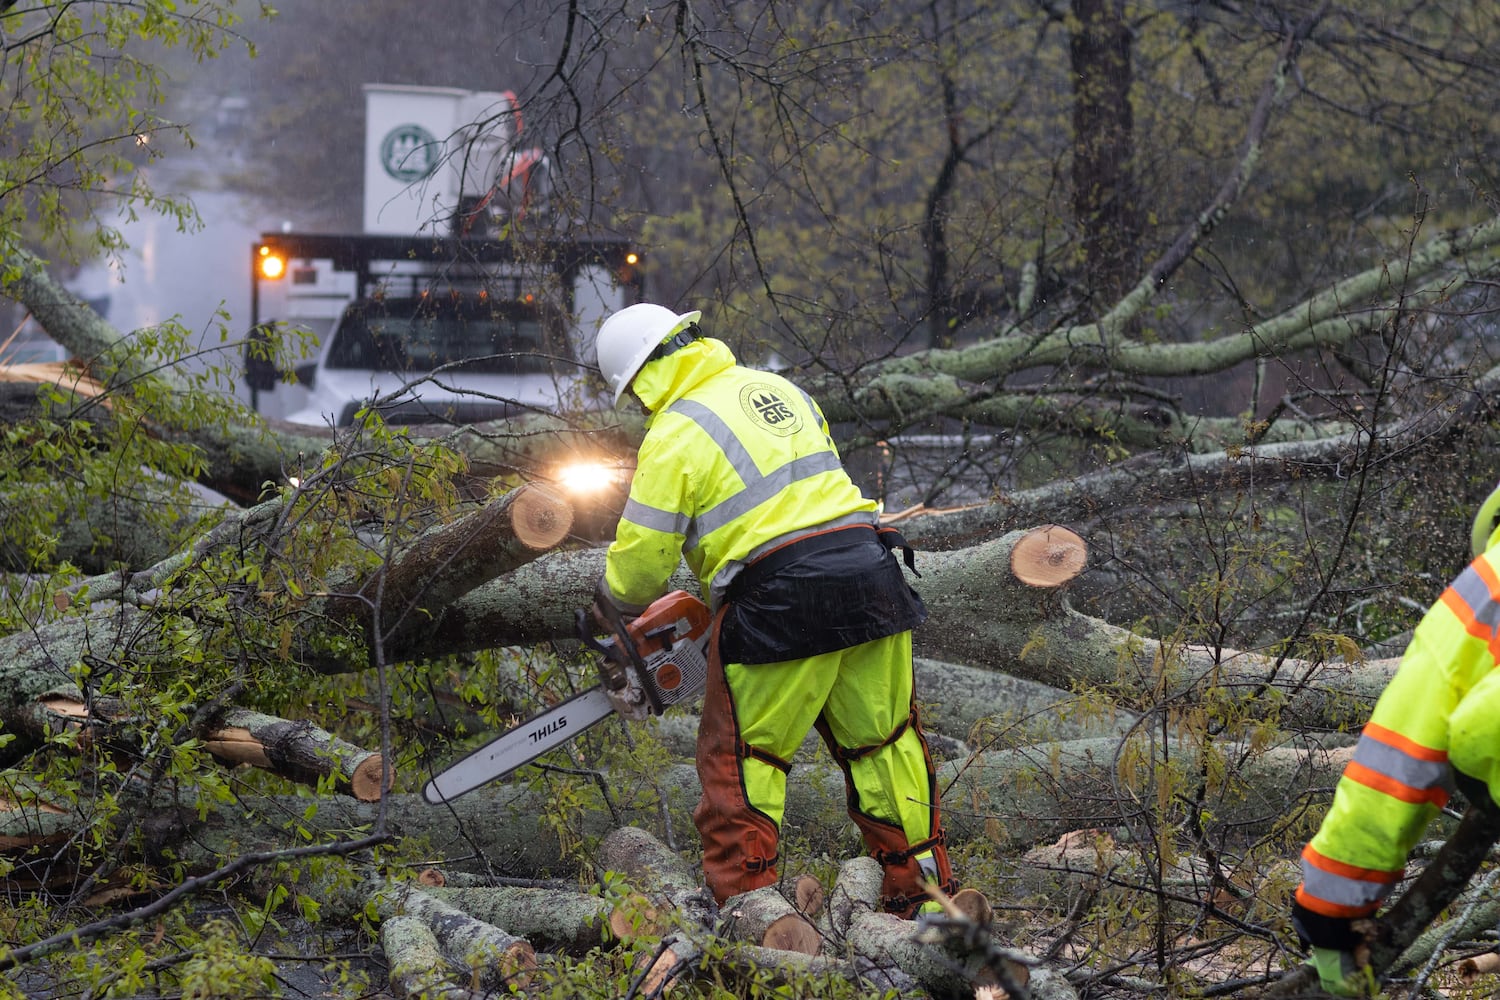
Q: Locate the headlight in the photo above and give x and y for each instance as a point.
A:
(588, 477)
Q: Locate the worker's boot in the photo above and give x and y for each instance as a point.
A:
(909, 868)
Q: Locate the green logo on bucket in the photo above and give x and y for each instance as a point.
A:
(409, 152)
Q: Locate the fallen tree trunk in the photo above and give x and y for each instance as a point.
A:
(766, 917)
(493, 540)
(1013, 799)
(948, 958)
(990, 709)
(1000, 605)
(296, 750)
(452, 559)
(675, 891)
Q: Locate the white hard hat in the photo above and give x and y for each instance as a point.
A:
(627, 339)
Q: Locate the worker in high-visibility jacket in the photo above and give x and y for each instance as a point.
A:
(738, 474)
(1435, 727)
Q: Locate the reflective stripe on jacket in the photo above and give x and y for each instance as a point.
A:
(1441, 711)
(734, 462)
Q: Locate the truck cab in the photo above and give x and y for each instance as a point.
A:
(440, 357)
(465, 297)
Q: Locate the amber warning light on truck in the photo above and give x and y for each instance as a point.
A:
(269, 263)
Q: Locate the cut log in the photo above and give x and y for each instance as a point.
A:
(1048, 556)
(551, 919)
(299, 751)
(984, 615)
(856, 889)
(636, 916)
(497, 959)
(58, 711)
(974, 905)
(685, 956)
(808, 895)
(886, 939)
(653, 868)
(766, 917)
(857, 923)
(1471, 969)
(417, 966)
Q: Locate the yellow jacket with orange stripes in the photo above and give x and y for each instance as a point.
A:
(1439, 713)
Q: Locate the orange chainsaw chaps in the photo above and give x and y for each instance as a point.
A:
(739, 841)
(903, 887)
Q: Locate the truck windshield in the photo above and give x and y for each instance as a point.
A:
(419, 335)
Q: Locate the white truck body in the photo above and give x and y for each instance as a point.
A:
(442, 166)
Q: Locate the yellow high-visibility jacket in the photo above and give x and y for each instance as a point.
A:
(734, 463)
(1439, 713)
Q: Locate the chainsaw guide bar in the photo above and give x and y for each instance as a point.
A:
(656, 660)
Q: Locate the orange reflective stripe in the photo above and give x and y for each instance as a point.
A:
(1343, 870)
(1410, 747)
(1474, 599)
(1486, 573)
(1336, 889)
(1465, 615)
(1385, 784)
(1328, 909)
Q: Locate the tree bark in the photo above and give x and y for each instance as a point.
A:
(948, 959)
(417, 966)
(452, 559)
(661, 874)
(1011, 798)
(549, 918)
(488, 954)
(1104, 188)
(299, 751)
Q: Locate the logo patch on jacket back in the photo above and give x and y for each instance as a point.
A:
(767, 406)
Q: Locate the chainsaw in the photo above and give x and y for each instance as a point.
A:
(653, 661)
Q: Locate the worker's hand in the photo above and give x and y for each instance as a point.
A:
(606, 620)
(1341, 974)
(601, 617)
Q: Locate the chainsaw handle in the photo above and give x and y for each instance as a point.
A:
(632, 655)
(610, 669)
